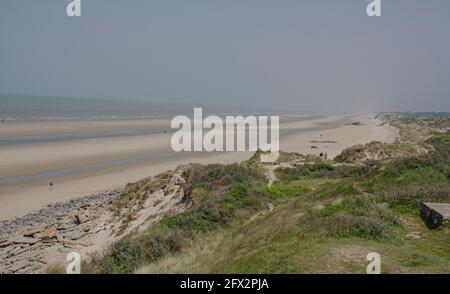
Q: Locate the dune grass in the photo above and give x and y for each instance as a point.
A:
(324, 218)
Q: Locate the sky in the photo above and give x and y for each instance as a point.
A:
(284, 55)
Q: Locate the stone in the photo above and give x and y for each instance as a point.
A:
(7, 251)
(33, 230)
(6, 243)
(26, 255)
(25, 240)
(71, 245)
(75, 235)
(84, 244)
(65, 226)
(21, 250)
(38, 260)
(80, 218)
(18, 265)
(47, 234)
(31, 268)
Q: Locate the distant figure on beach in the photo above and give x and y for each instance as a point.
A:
(321, 155)
(50, 186)
(326, 156)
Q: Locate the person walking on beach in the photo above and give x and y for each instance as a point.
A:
(50, 186)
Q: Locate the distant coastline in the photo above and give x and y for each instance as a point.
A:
(23, 108)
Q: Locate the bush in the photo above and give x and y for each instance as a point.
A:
(218, 177)
(321, 170)
(357, 216)
(286, 189)
(413, 195)
(441, 145)
(129, 253)
(410, 181)
(343, 225)
(240, 192)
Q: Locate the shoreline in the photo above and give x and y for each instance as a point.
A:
(300, 133)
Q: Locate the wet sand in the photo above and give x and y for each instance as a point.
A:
(134, 149)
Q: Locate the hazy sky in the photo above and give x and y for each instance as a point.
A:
(297, 55)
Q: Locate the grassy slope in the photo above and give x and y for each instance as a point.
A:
(318, 218)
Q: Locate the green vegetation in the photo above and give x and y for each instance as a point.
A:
(289, 189)
(228, 193)
(319, 217)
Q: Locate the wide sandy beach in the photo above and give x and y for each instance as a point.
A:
(86, 157)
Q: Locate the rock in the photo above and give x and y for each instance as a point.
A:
(75, 235)
(25, 240)
(86, 227)
(6, 243)
(18, 265)
(71, 245)
(33, 230)
(85, 244)
(38, 260)
(77, 244)
(80, 218)
(31, 268)
(27, 255)
(8, 250)
(49, 242)
(98, 228)
(20, 251)
(65, 226)
(47, 234)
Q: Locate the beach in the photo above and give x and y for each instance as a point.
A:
(82, 158)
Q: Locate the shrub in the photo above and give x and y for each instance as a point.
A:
(217, 176)
(413, 195)
(240, 192)
(343, 225)
(321, 170)
(286, 189)
(129, 253)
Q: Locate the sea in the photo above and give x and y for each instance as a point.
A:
(42, 108)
